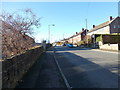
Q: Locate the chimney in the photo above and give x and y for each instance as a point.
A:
(93, 26)
(110, 18)
(82, 29)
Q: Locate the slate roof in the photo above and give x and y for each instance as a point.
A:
(102, 25)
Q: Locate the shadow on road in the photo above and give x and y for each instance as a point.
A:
(82, 73)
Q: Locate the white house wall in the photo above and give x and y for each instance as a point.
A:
(104, 30)
(76, 39)
(70, 40)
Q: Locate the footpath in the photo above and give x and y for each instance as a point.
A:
(43, 74)
(109, 51)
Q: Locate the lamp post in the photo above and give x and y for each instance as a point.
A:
(49, 30)
(93, 36)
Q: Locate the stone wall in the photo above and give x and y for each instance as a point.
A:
(14, 68)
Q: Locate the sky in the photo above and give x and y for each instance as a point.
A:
(68, 17)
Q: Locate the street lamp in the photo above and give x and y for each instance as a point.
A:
(93, 36)
(49, 30)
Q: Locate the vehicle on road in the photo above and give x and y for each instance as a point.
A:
(70, 45)
(75, 45)
(64, 45)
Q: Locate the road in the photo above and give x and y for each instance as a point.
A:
(88, 68)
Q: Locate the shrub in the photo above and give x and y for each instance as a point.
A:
(80, 43)
(99, 38)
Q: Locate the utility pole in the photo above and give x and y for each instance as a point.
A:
(51, 38)
(118, 32)
(49, 31)
(86, 22)
(86, 30)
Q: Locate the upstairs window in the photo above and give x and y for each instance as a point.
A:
(118, 26)
(114, 26)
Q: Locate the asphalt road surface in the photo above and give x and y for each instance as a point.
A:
(88, 68)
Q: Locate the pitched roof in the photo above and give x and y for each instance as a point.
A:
(76, 34)
(79, 33)
(102, 25)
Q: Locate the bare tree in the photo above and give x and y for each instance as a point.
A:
(22, 20)
(15, 28)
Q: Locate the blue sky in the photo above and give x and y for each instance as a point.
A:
(68, 17)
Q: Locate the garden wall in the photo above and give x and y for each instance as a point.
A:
(113, 47)
(14, 68)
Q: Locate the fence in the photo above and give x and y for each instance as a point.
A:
(13, 69)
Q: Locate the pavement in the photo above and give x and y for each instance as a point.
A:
(43, 74)
(101, 50)
(87, 68)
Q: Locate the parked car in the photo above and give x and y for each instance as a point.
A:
(75, 45)
(48, 45)
(64, 45)
(70, 45)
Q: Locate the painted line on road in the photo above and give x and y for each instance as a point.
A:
(63, 76)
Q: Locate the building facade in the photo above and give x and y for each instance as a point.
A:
(110, 27)
(78, 37)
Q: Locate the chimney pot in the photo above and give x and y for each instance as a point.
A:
(82, 29)
(93, 26)
(111, 18)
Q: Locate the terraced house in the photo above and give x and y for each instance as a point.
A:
(106, 29)
(109, 27)
(77, 37)
(109, 31)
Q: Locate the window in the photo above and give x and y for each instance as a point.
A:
(114, 26)
(118, 26)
